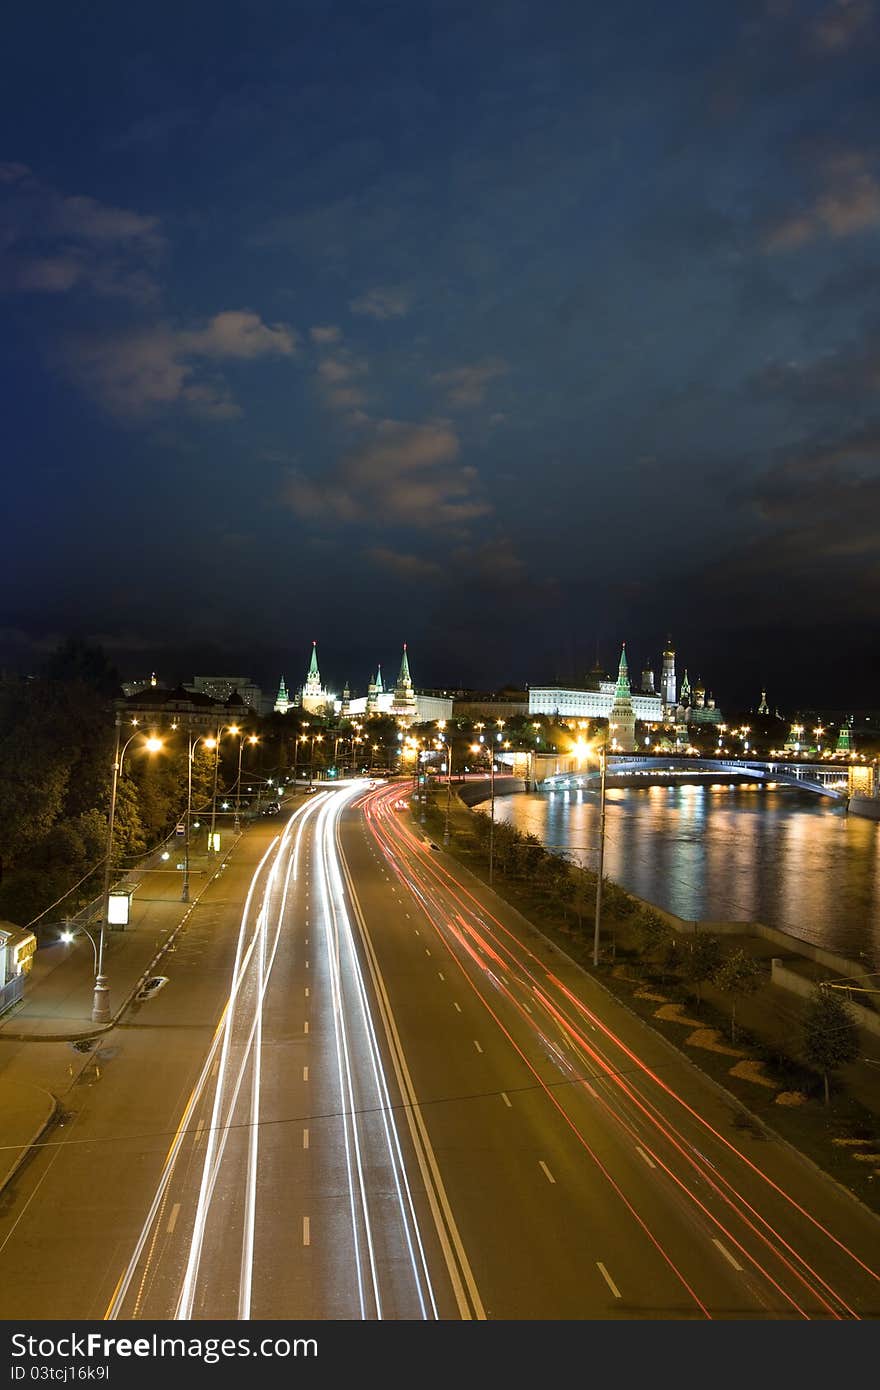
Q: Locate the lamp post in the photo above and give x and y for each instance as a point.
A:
(316, 738)
(236, 825)
(448, 791)
(209, 742)
(223, 729)
(602, 760)
(101, 996)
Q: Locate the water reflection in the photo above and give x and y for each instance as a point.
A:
(726, 853)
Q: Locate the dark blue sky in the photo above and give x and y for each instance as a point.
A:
(506, 329)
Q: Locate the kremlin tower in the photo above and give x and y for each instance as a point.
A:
(622, 719)
(404, 705)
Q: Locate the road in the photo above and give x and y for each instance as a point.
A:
(371, 1091)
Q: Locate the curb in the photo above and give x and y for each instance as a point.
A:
(668, 1043)
(35, 1137)
(98, 1030)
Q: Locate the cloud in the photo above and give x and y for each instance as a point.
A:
(840, 26)
(847, 203)
(402, 475)
(840, 376)
(337, 378)
(141, 371)
(325, 333)
(402, 564)
(382, 303)
(467, 386)
(239, 333)
(52, 242)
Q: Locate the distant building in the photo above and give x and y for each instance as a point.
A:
(222, 687)
(313, 697)
(622, 719)
(148, 683)
(185, 707)
(403, 702)
(282, 699)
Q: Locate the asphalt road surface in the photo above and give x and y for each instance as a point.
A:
(369, 1090)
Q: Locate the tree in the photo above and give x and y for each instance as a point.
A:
(651, 931)
(738, 974)
(830, 1037)
(702, 957)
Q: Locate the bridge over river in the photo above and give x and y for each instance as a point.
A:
(833, 780)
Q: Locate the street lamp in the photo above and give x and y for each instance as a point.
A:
(602, 761)
(316, 738)
(224, 729)
(101, 996)
(448, 791)
(209, 742)
(236, 824)
(478, 748)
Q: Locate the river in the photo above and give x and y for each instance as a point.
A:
(714, 852)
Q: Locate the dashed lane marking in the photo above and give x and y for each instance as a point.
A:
(305, 1138)
(456, 1006)
(547, 1174)
(608, 1280)
(650, 1162)
(172, 1220)
(506, 1098)
(727, 1255)
(477, 1045)
(307, 1230)
(305, 1073)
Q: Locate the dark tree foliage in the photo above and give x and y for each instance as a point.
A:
(830, 1036)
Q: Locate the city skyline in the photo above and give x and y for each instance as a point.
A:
(491, 326)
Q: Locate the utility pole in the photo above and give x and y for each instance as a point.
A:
(602, 757)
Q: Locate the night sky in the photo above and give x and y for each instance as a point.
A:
(509, 330)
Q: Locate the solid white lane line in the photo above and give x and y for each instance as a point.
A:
(727, 1255)
(307, 1230)
(477, 1045)
(305, 1138)
(506, 1098)
(172, 1220)
(650, 1162)
(305, 1073)
(547, 1174)
(608, 1280)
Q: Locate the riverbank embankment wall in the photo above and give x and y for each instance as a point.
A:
(473, 793)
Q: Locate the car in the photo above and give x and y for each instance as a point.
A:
(152, 986)
(272, 809)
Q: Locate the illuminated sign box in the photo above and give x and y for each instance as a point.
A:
(119, 909)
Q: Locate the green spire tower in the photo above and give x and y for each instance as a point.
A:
(622, 719)
(404, 706)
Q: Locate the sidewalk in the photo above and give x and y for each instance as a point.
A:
(57, 1003)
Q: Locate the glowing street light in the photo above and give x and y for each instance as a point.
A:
(101, 996)
(236, 824)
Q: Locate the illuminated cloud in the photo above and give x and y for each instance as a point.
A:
(402, 475)
(848, 203)
(147, 369)
(403, 564)
(466, 386)
(325, 333)
(52, 243)
(840, 26)
(382, 303)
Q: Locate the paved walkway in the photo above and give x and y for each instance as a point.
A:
(56, 1010)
